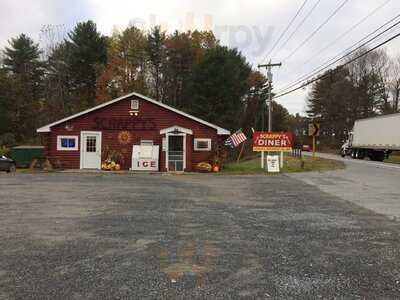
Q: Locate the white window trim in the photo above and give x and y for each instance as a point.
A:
(167, 150)
(83, 147)
(134, 104)
(202, 140)
(61, 148)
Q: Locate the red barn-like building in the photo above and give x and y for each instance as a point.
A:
(144, 133)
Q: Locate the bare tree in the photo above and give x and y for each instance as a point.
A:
(50, 37)
(394, 83)
(380, 67)
(370, 77)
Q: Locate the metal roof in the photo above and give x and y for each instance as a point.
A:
(47, 128)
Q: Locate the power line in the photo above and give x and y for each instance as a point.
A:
(286, 30)
(341, 66)
(324, 65)
(318, 53)
(317, 30)
(299, 25)
(388, 31)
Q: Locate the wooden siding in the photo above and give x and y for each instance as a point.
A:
(159, 117)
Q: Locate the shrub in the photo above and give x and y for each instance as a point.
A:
(7, 139)
(4, 150)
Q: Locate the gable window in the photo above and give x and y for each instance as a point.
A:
(134, 104)
(67, 143)
(202, 144)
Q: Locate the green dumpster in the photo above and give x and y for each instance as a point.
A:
(24, 155)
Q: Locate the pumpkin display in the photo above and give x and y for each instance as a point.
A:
(110, 165)
(204, 167)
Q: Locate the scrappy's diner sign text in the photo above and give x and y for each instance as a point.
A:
(139, 124)
(272, 141)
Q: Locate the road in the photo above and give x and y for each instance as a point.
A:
(373, 185)
(109, 236)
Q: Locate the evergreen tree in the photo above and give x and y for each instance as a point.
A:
(87, 49)
(332, 101)
(181, 57)
(5, 101)
(58, 83)
(22, 57)
(218, 86)
(156, 55)
(22, 85)
(254, 103)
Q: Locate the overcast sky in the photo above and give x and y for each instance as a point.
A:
(252, 26)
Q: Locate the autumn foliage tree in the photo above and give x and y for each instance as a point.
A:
(188, 70)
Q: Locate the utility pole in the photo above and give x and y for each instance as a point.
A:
(269, 76)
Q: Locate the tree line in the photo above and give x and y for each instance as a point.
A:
(367, 87)
(189, 70)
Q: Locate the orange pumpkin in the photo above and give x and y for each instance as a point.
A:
(117, 167)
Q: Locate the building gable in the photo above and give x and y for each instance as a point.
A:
(47, 128)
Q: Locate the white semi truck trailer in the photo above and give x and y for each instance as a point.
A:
(374, 137)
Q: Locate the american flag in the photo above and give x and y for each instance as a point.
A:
(236, 139)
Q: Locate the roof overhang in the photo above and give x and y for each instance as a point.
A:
(47, 128)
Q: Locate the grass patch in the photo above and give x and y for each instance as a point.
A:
(393, 159)
(291, 165)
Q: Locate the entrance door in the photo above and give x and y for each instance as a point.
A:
(176, 153)
(90, 150)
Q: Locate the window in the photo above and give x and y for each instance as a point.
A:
(67, 143)
(135, 104)
(91, 144)
(147, 142)
(202, 144)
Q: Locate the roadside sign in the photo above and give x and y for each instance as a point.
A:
(314, 129)
(272, 141)
(273, 163)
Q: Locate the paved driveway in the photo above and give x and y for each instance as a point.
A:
(373, 185)
(92, 236)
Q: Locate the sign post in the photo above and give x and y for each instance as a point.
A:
(313, 146)
(314, 130)
(241, 152)
(262, 159)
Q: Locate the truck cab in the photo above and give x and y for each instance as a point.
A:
(346, 147)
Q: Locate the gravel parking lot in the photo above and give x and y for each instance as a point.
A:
(108, 236)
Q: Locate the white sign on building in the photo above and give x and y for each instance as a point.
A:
(145, 157)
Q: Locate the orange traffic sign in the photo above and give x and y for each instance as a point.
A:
(314, 129)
